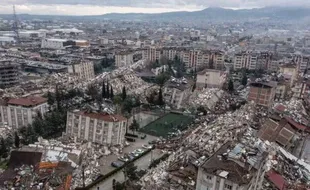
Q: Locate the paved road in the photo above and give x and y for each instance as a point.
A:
(105, 162)
(141, 163)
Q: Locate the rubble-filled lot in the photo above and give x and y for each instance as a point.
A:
(203, 141)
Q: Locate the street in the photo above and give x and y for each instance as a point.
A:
(141, 163)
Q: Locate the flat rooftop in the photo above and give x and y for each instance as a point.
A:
(220, 166)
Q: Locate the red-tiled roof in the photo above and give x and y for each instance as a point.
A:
(277, 180)
(104, 116)
(280, 108)
(27, 101)
(295, 124)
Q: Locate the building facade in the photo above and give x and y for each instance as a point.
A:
(123, 59)
(246, 60)
(210, 78)
(262, 93)
(84, 70)
(9, 74)
(96, 127)
(151, 54)
(19, 112)
(62, 43)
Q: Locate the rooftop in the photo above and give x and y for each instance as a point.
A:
(218, 165)
(27, 101)
(103, 116)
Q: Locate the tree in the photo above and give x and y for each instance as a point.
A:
(111, 93)
(28, 135)
(50, 99)
(124, 95)
(162, 79)
(160, 100)
(108, 91)
(194, 87)
(130, 172)
(58, 97)
(134, 126)
(230, 86)
(211, 64)
(244, 80)
(103, 93)
(16, 140)
(92, 91)
(3, 149)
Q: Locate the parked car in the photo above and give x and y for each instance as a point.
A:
(146, 146)
(123, 159)
(131, 156)
(139, 151)
(153, 142)
(117, 164)
(143, 136)
(135, 154)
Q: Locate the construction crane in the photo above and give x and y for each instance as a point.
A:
(15, 26)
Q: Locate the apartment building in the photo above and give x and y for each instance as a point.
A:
(124, 58)
(151, 54)
(246, 60)
(9, 74)
(96, 127)
(301, 61)
(19, 112)
(175, 94)
(83, 69)
(210, 78)
(62, 43)
(289, 72)
(226, 169)
(262, 93)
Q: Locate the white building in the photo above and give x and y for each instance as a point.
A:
(19, 112)
(62, 43)
(84, 70)
(4, 40)
(210, 78)
(246, 60)
(160, 70)
(176, 93)
(151, 54)
(123, 59)
(96, 127)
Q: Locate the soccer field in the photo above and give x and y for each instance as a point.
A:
(167, 124)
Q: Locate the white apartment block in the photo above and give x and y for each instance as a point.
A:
(301, 61)
(159, 70)
(96, 127)
(84, 70)
(176, 94)
(62, 43)
(151, 54)
(123, 59)
(210, 78)
(246, 60)
(19, 112)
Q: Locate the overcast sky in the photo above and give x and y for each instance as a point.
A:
(95, 7)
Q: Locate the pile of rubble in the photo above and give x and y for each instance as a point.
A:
(133, 84)
(207, 98)
(203, 141)
(295, 109)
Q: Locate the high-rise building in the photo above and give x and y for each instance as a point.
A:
(96, 127)
(19, 112)
(124, 58)
(246, 60)
(262, 93)
(83, 69)
(9, 74)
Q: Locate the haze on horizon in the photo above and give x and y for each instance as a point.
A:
(98, 7)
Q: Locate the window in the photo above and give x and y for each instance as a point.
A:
(226, 186)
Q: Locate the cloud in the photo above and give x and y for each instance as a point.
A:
(170, 3)
(91, 7)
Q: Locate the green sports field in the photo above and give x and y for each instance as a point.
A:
(169, 123)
